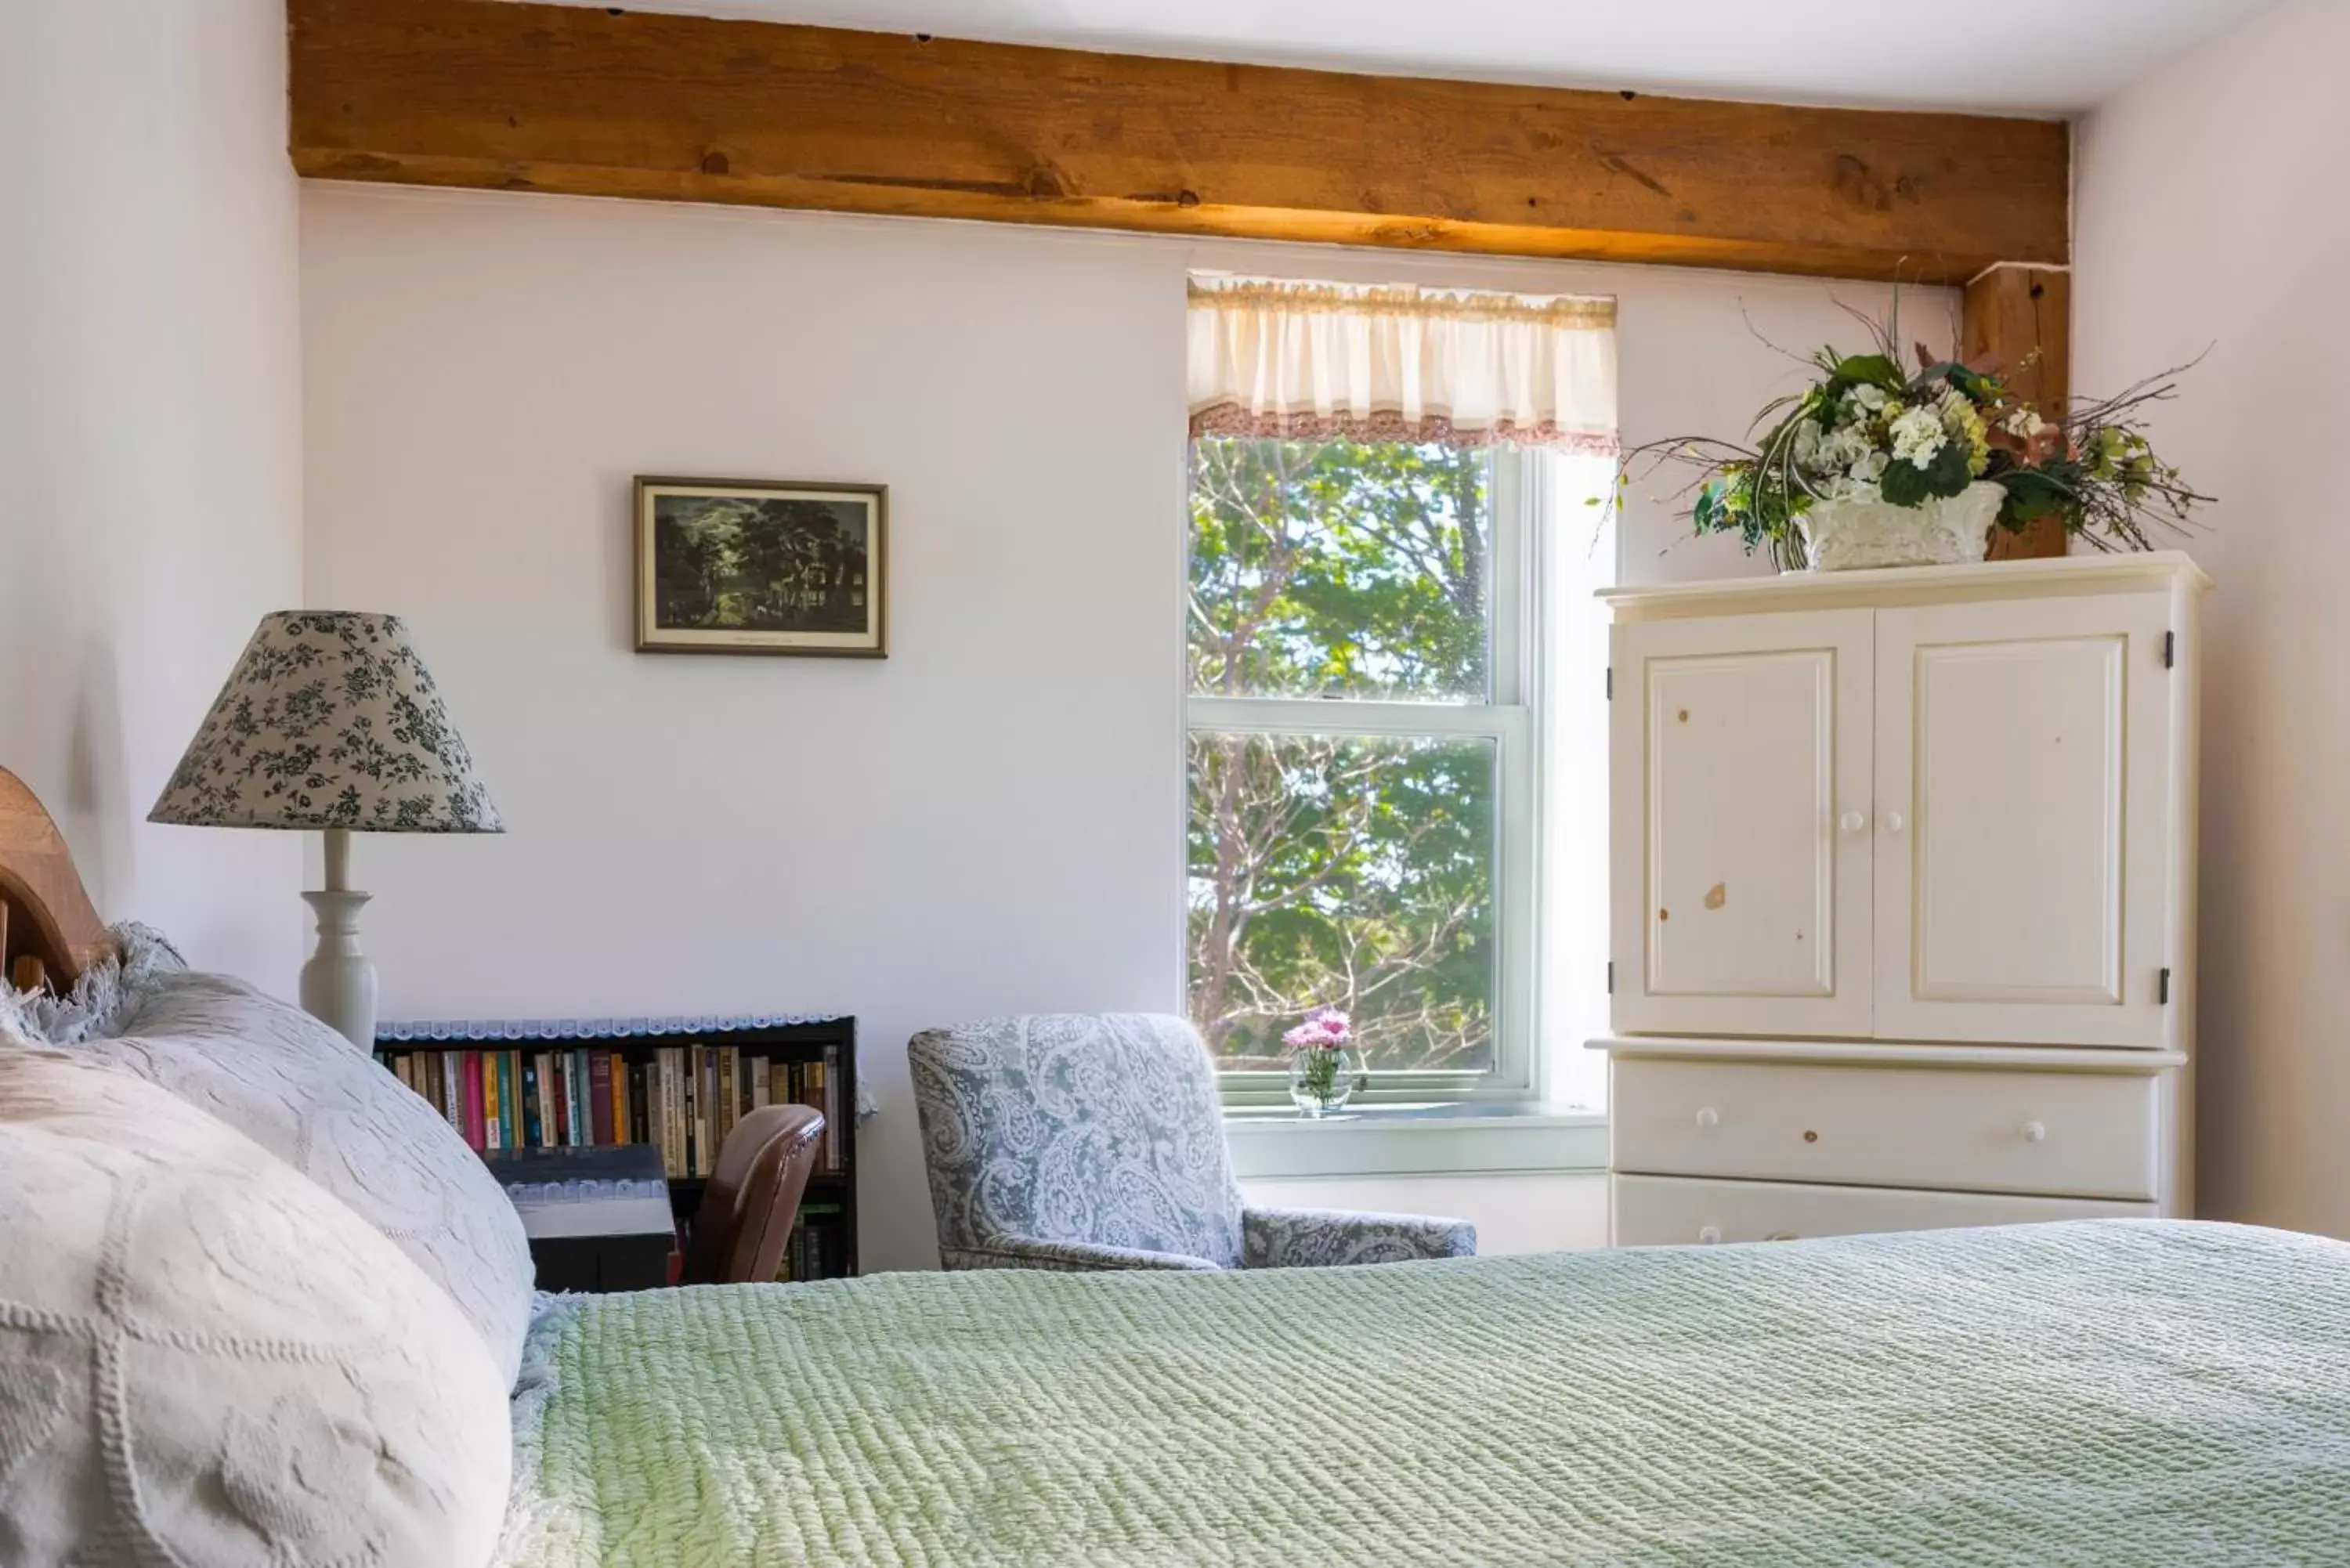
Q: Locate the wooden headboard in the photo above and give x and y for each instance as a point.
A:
(49, 931)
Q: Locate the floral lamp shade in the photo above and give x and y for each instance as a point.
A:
(328, 720)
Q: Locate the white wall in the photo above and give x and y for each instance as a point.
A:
(990, 820)
(150, 446)
(2213, 211)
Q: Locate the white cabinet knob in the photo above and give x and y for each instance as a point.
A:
(1707, 1235)
(1852, 822)
(1892, 822)
(1707, 1119)
(2035, 1132)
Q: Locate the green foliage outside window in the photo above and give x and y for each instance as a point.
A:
(1330, 868)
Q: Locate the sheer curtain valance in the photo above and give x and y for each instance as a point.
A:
(1316, 361)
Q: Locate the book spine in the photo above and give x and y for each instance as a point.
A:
(599, 1095)
(617, 1065)
(469, 1077)
(834, 1100)
(812, 1096)
(656, 1122)
(760, 1067)
(672, 1127)
(510, 1098)
(583, 1107)
(558, 1087)
(638, 1132)
(531, 1125)
(697, 1063)
(729, 1071)
(490, 1100)
(404, 1067)
(452, 1091)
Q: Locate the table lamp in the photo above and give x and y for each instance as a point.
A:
(330, 722)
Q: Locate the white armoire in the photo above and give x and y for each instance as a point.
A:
(1902, 902)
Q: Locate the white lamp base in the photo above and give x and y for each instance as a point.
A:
(339, 983)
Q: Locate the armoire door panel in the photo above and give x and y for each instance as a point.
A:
(1741, 744)
(2016, 744)
(1754, 885)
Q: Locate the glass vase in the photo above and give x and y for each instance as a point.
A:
(1322, 1079)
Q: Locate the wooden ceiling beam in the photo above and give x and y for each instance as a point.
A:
(502, 96)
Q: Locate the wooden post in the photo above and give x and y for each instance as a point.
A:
(2022, 316)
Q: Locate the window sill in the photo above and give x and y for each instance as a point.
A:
(1416, 1140)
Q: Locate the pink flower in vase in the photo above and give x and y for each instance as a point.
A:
(1325, 1029)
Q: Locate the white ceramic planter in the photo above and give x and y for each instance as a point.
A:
(1844, 535)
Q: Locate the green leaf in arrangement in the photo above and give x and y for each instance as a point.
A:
(1904, 484)
(1870, 370)
(2033, 494)
(1949, 474)
(1706, 514)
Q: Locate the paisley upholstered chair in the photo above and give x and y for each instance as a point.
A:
(1091, 1141)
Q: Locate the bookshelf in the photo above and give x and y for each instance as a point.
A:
(678, 1083)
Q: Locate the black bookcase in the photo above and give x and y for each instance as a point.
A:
(459, 1066)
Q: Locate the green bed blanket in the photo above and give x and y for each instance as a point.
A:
(2108, 1392)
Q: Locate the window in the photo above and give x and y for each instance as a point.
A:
(1361, 795)
(1368, 655)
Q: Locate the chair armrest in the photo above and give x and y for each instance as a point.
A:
(1322, 1237)
(1064, 1257)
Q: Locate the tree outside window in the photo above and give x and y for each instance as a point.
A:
(1357, 733)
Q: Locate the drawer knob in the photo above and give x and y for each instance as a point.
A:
(1893, 823)
(2035, 1132)
(1708, 1119)
(1707, 1235)
(1852, 822)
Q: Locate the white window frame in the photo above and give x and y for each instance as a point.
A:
(1516, 493)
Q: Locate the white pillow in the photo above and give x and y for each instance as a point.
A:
(205, 1359)
(311, 1097)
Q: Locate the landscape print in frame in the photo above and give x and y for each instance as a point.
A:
(727, 565)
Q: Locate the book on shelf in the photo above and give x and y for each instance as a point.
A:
(684, 1098)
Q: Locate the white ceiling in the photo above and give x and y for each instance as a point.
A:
(2025, 56)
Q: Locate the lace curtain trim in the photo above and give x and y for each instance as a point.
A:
(1230, 420)
(1323, 361)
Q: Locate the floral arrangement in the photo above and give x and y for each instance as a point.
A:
(1318, 1055)
(1865, 433)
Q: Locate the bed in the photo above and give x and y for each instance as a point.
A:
(2107, 1391)
(2110, 1392)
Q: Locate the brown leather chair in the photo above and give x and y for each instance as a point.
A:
(753, 1197)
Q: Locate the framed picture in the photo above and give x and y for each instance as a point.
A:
(727, 565)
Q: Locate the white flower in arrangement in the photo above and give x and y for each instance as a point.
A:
(1869, 397)
(1918, 435)
(1807, 443)
(2025, 422)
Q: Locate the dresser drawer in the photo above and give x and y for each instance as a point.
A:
(2091, 1135)
(1666, 1210)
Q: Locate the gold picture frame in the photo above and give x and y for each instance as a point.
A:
(752, 566)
